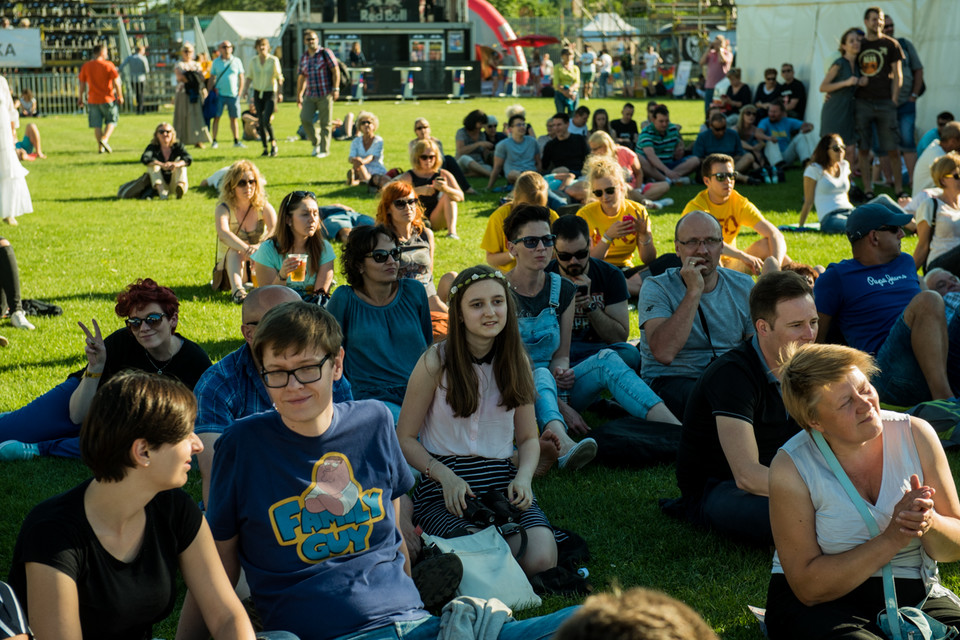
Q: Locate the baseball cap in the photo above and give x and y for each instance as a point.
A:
(871, 216)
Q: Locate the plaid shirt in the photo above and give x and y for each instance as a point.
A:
(313, 66)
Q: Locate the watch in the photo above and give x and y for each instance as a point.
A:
(591, 306)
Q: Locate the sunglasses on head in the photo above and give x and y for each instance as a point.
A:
(563, 256)
(609, 191)
(531, 242)
(403, 203)
(380, 255)
(152, 320)
(296, 196)
(724, 175)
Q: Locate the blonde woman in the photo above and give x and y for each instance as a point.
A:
(530, 188)
(166, 161)
(602, 145)
(421, 129)
(243, 219)
(188, 100)
(938, 219)
(435, 187)
(265, 78)
(366, 154)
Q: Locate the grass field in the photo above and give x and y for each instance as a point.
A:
(81, 246)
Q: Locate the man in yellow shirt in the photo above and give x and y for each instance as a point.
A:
(733, 211)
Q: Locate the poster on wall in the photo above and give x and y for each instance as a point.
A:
(425, 47)
(455, 41)
(20, 48)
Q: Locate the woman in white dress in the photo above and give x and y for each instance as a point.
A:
(14, 194)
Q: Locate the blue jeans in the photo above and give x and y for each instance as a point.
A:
(732, 512)
(900, 380)
(564, 104)
(606, 370)
(580, 351)
(907, 119)
(545, 406)
(429, 628)
(46, 422)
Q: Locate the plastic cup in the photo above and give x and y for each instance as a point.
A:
(300, 273)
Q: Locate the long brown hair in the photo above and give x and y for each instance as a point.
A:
(511, 367)
(284, 240)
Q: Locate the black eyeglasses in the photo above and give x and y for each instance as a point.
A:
(889, 227)
(609, 191)
(531, 242)
(152, 320)
(723, 176)
(279, 378)
(403, 203)
(563, 256)
(709, 243)
(839, 148)
(771, 77)
(380, 255)
(428, 157)
(244, 182)
(723, 128)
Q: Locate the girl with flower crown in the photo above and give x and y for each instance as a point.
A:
(468, 400)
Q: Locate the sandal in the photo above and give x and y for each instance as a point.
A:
(239, 296)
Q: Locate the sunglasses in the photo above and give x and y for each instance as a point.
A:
(421, 127)
(723, 176)
(403, 203)
(380, 255)
(598, 193)
(279, 378)
(531, 242)
(839, 147)
(363, 122)
(244, 182)
(563, 256)
(164, 131)
(428, 157)
(890, 228)
(771, 77)
(152, 320)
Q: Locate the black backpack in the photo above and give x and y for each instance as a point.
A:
(346, 81)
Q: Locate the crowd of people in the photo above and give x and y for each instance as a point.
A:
(354, 417)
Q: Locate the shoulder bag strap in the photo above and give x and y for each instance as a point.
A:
(889, 592)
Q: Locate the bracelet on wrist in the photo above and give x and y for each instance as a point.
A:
(605, 239)
(644, 244)
(90, 374)
(426, 472)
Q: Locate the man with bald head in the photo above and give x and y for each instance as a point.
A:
(232, 389)
(691, 315)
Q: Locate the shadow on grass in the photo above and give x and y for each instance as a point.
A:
(76, 361)
(90, 199)
(217, 349)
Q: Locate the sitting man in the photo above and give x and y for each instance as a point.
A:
(718, 138)
(736, 421)
(566, 152)
(515, 154)
(792, 92)
(30, 148)
(625, 129)
(692, 315)
(794, 139)
(339, 220)
(578, 121)
(661, 150)
(936, 132)
(879, 307)
(601, 319)
(733, 211)
(305, 499)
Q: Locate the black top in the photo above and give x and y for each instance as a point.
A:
(177, 152)
(625, 131)
(792, 90)
(569, 153)
(530, 307)
(120, 600)
(124, 352)
(737, 385)
(607, 286)
(428, 202)
(742, 96)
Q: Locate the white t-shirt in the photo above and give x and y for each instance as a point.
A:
(831, 192)
(546, 72)
(921, 171)
(946, 234)
(651, 60)
(587, 62)
(606, 63)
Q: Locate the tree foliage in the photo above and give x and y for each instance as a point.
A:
(210, 7)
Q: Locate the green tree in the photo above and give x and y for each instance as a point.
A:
(210, 7)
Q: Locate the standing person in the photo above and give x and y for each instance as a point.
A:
(651, 69)
(878, 93)
(188, 100)
(838, 114)
(226, 78)
(546, 72)
(356, 58)
(14, 193)
(716, 61)
(318, 86)
(606, 66)
(167, 161)
(100, 88)
(566, 83)
(907, 100)
(588, 67)
(266, 80)
(139, 67)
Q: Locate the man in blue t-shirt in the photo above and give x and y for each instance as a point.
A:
(515, 154)
(305, 499)
(879, 306)
(226, 76)
(719, 138)
(795, 142)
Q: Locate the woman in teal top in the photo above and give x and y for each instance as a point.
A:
(385, 321)
(298, 232)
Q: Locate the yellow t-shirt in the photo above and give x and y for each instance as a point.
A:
(621, 250)
(494, 240)
(734, 213)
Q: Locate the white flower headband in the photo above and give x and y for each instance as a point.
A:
(474, 278)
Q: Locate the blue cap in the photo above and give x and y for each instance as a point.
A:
(871, 216)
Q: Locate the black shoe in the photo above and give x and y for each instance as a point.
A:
(437, 577)
(751, 181)
(265, 153)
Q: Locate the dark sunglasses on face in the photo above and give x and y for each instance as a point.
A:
(244, 182)
(164, 131)
(422, 126)
(723, 176)
(279, 378)
(152, 320)
(771, 77)
(609, 191)
(380, 255)
(955, 176)
(839, 147)
(531, 242)
(363, 122)
(403, 203)
(889, 227)
(428, 157)
(563, 256)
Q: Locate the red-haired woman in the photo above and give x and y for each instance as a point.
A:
(49, 425)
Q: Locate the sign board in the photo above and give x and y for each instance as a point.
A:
(682, 78)
(20, 48)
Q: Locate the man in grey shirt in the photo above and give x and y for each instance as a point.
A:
(691, 315)
(516, 154)
(137, 67)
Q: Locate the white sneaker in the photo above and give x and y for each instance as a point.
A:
(664, 202)
(315, 152)
(19, 320)
(322, 154)
(214, 145)
(239, 145)
(682, 180)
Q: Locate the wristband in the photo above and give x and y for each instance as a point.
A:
(426, 472)
(605, 240)
(643, 244)
(90, 374)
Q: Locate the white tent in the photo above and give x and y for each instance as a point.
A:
(607, 26)
(242, 28)
(807, 33)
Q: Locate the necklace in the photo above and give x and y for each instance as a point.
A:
(166, 363)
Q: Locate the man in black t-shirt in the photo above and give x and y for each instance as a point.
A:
(601, 318)
(735, 419)
(792, 93)
(626, 127)
(565, 150)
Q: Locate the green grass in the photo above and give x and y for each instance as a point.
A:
(81, 246)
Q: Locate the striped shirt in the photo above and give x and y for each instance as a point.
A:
(663, 145)
(313, 67)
